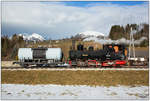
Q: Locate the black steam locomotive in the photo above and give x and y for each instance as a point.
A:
(110, 55)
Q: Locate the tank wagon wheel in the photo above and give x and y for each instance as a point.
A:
(39, 65)
(25, 65)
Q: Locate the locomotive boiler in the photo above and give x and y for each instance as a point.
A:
(83, 54)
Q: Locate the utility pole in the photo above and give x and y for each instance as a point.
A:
(131, 44)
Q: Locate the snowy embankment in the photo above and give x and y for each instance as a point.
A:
(18, 91)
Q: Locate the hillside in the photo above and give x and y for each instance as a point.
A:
(10, 46)
(32, 37)
(87, 35)
(118, 34)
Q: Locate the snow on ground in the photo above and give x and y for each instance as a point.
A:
(20, 91)
(91, 33)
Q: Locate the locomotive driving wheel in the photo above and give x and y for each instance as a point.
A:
(81, 63)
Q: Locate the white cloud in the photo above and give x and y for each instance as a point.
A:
(57, 18)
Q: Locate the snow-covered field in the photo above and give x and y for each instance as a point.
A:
(19, 91)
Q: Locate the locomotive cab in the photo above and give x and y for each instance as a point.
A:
(115, 51)
(115, 54)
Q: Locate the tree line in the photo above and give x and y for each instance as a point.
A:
(118, 32)
(10, 46)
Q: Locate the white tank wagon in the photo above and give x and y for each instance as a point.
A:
(39, 56)
(25, 53)
(54, 53)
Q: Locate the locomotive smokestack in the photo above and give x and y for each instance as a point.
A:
(73, 44)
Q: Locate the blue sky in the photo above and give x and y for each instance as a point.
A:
(85, 3)
(64, 19)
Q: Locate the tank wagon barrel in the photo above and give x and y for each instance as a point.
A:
(40, 56)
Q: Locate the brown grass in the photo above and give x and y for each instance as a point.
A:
(93, 78)
(142, 48)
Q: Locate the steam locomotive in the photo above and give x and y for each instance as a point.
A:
(110, 55)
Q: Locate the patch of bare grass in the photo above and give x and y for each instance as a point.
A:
(8, 64)
(142, 48)
(92, 78)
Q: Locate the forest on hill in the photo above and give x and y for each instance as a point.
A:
(142, 30)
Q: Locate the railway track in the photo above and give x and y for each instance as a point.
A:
(78, 68)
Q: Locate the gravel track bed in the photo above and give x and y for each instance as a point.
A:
(74, 69)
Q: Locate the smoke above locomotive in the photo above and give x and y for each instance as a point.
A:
(103, 39)
(119, 41)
